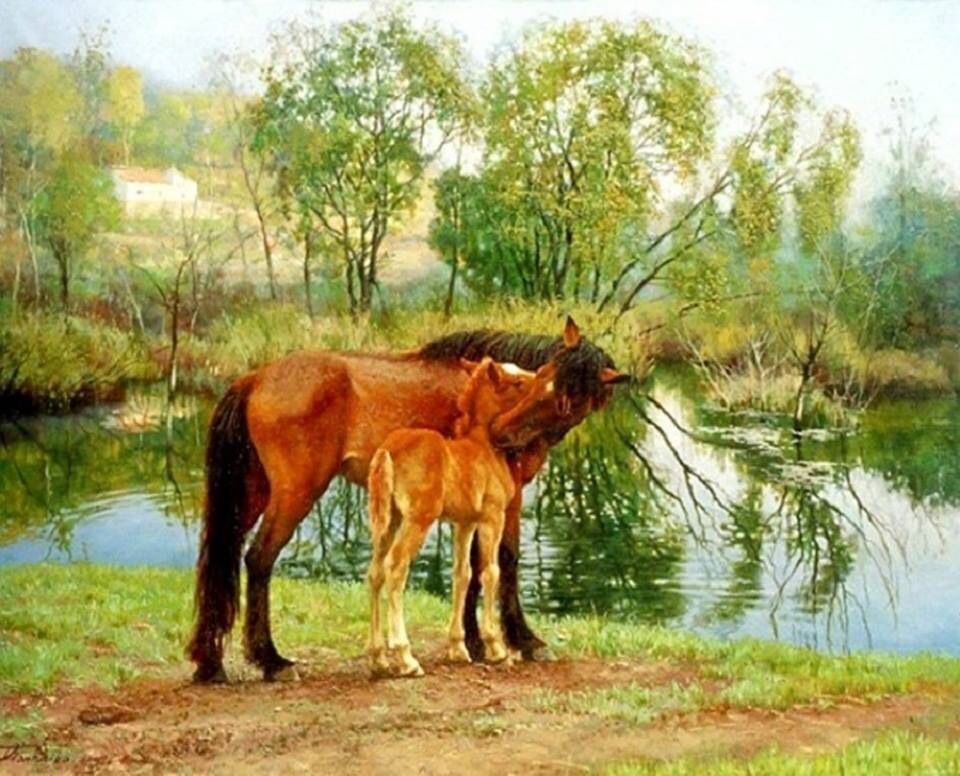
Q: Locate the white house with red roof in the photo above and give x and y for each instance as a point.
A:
(139, 188)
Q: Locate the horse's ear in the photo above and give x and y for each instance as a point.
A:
(612, 377)
(571, 333)
(468, 366)
(493, 371)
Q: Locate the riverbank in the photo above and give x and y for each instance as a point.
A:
(53, 364)
(92, 673)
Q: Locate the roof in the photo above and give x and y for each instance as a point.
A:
(141, 175)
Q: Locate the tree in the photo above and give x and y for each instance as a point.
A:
(257, 183)
(453, 194)
(350, 120)
(915, 242)
(90, 64)
(587, 122)
(124, 105)
(77, 203)
(38, 104)
(185, 277)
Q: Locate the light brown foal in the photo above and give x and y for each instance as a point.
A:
(417, 477)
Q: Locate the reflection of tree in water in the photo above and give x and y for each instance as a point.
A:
(610, 544)
(913, 446)
(334, 543)
(55, 472)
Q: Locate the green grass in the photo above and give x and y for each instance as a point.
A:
(892, 753)
(633, 703)
(97, 625)
(754, 672)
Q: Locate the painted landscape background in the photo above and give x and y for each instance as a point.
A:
(780, 274)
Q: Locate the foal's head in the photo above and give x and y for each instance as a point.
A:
(491, 390)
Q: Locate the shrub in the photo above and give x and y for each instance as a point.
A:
(53, 364)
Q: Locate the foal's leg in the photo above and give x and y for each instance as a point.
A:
(376, 647)
(462, 536)
(402, 551)
(488, 534)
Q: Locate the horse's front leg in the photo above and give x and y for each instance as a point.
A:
(518, 634)
(515, 628)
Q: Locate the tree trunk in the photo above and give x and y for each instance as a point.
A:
(267, 251)
(798, 402)
(351, 289)
(63, 264)
(307, 257)
(448, 304)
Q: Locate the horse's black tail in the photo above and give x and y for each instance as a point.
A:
(231, 458)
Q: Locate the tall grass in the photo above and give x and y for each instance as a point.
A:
(51, 363)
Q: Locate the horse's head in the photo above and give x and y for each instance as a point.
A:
(576, 381)
(491, 390)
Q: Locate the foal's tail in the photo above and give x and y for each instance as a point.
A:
(231, 459)
(380, 486)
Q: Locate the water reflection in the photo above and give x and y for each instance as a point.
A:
(657, 510)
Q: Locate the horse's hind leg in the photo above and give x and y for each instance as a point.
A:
(283, 513)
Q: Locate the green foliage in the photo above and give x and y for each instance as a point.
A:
(38, 101)
(75, 206)
(124, 104)
(585, 123)
(778, 157)
(350, 122)
(49, 363)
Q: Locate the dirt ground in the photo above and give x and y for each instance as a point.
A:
(457, 719)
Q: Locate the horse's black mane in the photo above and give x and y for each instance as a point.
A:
(578, 368)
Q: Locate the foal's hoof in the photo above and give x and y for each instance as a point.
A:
(287, 672)
(496, 652)
(210, 675)
(379, 665)
(413, 671)
(458, 653)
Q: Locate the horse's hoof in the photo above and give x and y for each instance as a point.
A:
(534, 649)
(458, 653)
(475, 649)
(286, 673)
(210, 675)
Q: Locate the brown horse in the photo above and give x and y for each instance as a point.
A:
(417, 476)
(281, 433)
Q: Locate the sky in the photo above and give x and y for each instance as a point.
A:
(857, 54)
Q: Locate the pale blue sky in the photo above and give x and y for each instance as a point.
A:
(857, 53)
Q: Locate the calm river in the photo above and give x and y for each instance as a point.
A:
(688, 517)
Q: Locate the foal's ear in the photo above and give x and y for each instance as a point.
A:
(493, 371)
(571, 333)
(612, 377)
(468, 366)
(547, 371)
